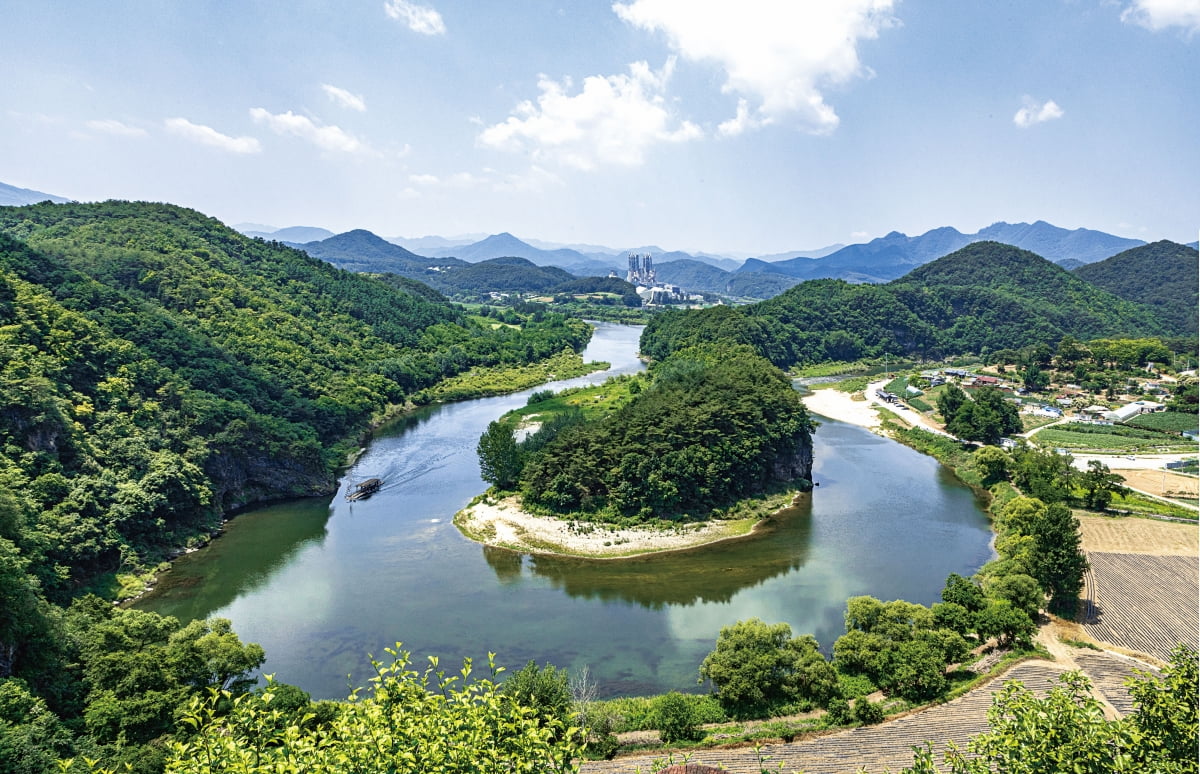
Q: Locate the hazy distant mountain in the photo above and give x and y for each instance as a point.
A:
(301, 234)
(820, 253)
(362, 251)
(250, 229)
(295, 235)
(11, 196)
(427, 244)
(1161, 275)
(1058, 244)
(894, 255)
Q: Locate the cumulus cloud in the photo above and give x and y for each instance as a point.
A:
(611, 120)
(330, 138)
(1036, 113)
(780, 56)
(206, 135)
(419, 18)
(1158, 15)
(116, 128)
(345, 98)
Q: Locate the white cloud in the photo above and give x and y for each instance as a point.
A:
(116, 128)
(419, 18)
(1034, 113)
(345, 98)
(206, 135)
(740, 122)
(424, 179)
(612, 120)
(1158, 15)
(330, 138)
(783, 56)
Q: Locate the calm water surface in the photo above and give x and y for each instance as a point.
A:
(320, 583)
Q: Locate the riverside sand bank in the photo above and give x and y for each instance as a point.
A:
(504, 524)
(841, 406)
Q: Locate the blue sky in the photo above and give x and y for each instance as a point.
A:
(746, 127)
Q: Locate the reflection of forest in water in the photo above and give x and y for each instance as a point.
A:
(705, 574)
(244, 559)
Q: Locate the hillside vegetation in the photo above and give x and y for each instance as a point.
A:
(984, 297)
(157, 371)
(161, 369)
(1161, 275)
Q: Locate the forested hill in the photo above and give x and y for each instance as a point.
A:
(362, 251)
(983, 297)
(160, 369)
(1161, 275)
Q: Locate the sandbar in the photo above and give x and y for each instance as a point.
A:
(503, 523)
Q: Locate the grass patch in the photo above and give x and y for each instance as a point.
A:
(481, 382)
(1139, 505)
(636, 713)
(853, 384)
(1034, 421)
(595, 402)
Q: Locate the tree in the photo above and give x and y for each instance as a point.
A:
(1060, 562)
(1035, 379)
(987, 418)
(993, 463)
(1008, 624)
(1166, 714)
(962, 591)
(1099, 485)
(1020, 590)
(949, 402)
(916, 670)
(1046, 475)
(757, 666)
(499, 453)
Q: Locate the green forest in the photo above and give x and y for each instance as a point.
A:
(158, 371)
(984, 297)
(713, 425)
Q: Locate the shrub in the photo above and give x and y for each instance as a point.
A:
(838, 712)
(676, 719)
(866, 712)
(544, 689)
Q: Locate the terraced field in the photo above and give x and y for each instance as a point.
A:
(886, 746)
(1143, 602)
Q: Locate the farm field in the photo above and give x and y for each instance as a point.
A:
(1143, 602)
(1138, 536)
(1097, 437)
(1162, 483)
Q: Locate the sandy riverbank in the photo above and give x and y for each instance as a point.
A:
(843, 407)
(502, 523)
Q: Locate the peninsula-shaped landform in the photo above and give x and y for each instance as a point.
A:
(699, 449)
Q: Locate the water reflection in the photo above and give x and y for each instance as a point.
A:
(708, 574)
(253, 549)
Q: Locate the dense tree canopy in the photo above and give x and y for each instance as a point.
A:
(714, 426)
(984, 297)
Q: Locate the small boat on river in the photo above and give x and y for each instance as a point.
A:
(364, 489)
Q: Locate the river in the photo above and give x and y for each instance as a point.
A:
(321, 583)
